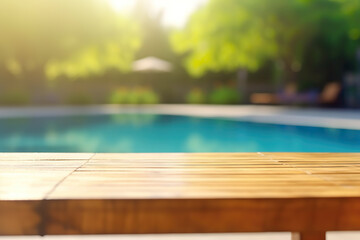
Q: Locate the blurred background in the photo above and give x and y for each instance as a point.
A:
(71, 52)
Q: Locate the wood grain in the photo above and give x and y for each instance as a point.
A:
(180, 193)
(25, 181)
(19, 217)
(201, 215)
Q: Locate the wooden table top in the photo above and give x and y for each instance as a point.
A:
(69, 193)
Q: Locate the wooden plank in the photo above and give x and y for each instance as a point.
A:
(200, 215)
(25, 181)
(20, 217)
(44, 156)
(177, 192)
(33, 180)
(204, 175)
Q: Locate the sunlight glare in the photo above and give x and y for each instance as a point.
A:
(121, 5)
(175, 12)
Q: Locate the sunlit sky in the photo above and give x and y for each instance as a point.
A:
(175, 12)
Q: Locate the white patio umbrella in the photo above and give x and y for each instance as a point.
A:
(151, 64)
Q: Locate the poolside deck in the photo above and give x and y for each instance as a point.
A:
(178, 193)
(331, 118)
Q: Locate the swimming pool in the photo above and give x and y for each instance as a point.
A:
(166, 133)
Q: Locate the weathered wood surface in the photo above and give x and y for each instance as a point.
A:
(48, 193)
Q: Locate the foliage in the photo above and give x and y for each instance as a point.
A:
(306, 42)
(148, 97)
(73, 38)
(351, 9)
(14, 97)
(138, 95)
(226, 35)
(119, 96)
(225, 95)
(329, 51)
(196, 96)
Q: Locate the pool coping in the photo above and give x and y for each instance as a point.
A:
(330, 118)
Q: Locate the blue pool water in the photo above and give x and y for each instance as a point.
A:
(163, 133)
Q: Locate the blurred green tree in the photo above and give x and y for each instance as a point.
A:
(74, 38)
(330, 50)
(226, 35)
(351, 8)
